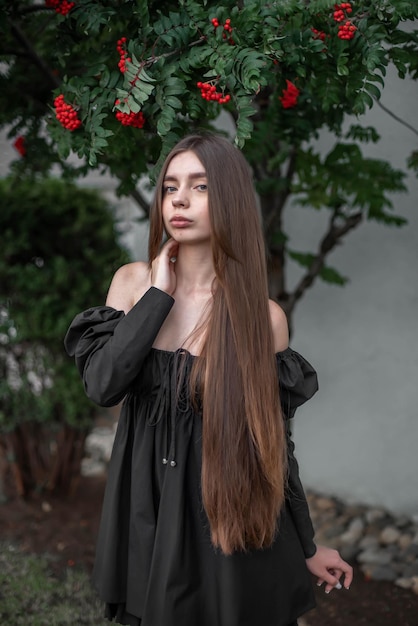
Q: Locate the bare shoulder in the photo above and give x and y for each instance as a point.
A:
(128, 285)
(279, 326)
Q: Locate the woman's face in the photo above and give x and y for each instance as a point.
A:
(185, 208)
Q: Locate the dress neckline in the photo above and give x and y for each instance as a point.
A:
(180, 351)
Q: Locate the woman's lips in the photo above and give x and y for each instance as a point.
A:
(179, 221)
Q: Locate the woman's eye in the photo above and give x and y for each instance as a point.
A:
(169, 189)
(202, 187)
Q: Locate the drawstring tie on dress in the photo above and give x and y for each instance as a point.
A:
(171, 454)
(170, 401)
(177, 379)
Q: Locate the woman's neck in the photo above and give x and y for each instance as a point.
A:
(194, 269)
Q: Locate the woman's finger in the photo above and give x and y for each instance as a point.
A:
(348, 576)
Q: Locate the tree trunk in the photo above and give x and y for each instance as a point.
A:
(37, 458)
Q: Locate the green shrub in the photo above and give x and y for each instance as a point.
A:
(59, 251)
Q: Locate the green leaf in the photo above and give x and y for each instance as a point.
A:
(342, 65)
(363, 134)
(173, 102)
(372, 90)
(305, 259)
(330, 275)
(326, 273)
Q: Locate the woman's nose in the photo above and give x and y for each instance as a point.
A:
(180, 199)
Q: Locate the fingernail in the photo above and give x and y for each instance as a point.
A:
(318, 584)
(347, 588)
(327, 590)
(338, 586)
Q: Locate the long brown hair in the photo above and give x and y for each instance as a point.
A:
(243, 447)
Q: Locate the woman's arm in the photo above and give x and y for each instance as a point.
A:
(323, 562)
(110, 347)
(110, 343)
(279, 327)
(297, 502)
(295, 493)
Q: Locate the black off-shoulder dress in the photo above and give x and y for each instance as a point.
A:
(155, 564)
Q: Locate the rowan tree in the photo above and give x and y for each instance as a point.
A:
(118, 82)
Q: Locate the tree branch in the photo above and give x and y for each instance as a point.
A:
(395, 117)
(35, 8)
(272, 205)
(276, 210)
(13, 53)
(141, 201)
(37, 60)
(330, 240)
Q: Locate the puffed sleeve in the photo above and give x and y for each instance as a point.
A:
(298, 383)
(109, 347)
(297, 380)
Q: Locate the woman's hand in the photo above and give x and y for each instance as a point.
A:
(163, 275)
(328, 566)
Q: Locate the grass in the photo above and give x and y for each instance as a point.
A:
(32, 595)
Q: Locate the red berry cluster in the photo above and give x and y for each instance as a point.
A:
(19, 145)
(208, 92)
(60, 6)
(66, 114)
(290, 95)
(121, 48)
(347, 30)
(227, 28)
(318, 34)
(341, 10)
(137, 120)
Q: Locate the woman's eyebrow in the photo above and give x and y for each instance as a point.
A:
(191, 176)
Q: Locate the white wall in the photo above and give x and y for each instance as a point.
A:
(358, 438)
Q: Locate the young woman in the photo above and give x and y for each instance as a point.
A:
(204, 522)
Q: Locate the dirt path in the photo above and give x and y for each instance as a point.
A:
(67, 529)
